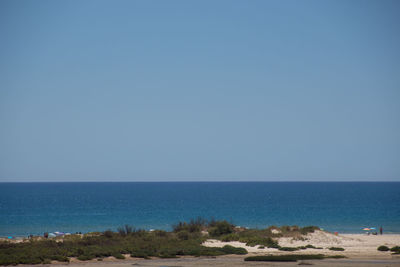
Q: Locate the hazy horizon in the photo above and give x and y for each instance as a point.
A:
(203, 181)
(199, 90)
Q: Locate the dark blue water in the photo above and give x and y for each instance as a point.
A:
(34, 208)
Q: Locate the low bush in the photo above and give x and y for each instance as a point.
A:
(234, 250)
(85, 257)
(310, 246)
(395, 249)
(230, 237)
(119, 256)
(167, 256)
(183, 235)
(383, 248)
(336, 249)
(253, 241)
(59, 258)
(288, 249)
(108, 233)
(308, 229)
(221, 228)
(195, 225)
(126, 230)
(160, 233)
(46, 261)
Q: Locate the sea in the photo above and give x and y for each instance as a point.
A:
(344, 207)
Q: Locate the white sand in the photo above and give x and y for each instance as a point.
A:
(355, 245)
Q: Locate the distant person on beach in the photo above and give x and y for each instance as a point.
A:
(381, 230)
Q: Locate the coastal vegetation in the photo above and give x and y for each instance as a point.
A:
(288, 248)
(336, 249)
(383, 248)
(265, 237)
(185, 239)
(394, 250)
(311, 246)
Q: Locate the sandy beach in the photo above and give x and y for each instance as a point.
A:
(355, 245)
(360, 250)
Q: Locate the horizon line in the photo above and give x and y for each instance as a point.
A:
(206, 181)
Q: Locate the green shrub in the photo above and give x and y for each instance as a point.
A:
(183, 235)
(160, 233)
(383, 248)
(221, 228)
(289, 229)
(119, 256)
(395, 249)
(288, 249)
(46, 261)
(195, 225)
(85, 257)
(310, 246)
(308, 229)
(336, 249)
(230, 237)
(140, 254)
(233, 250)
(285, 228)
(126, 230)
(167, 256)
(253, 241)
(108, 233)
(179, 227)
(59, 258)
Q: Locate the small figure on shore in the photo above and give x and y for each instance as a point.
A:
(381, 230)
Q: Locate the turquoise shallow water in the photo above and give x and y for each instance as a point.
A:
(34, 208)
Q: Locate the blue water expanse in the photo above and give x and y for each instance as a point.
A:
(35, 208)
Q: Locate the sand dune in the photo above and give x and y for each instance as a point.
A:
(355, 245)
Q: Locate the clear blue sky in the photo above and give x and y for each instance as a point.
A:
(199, 90)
